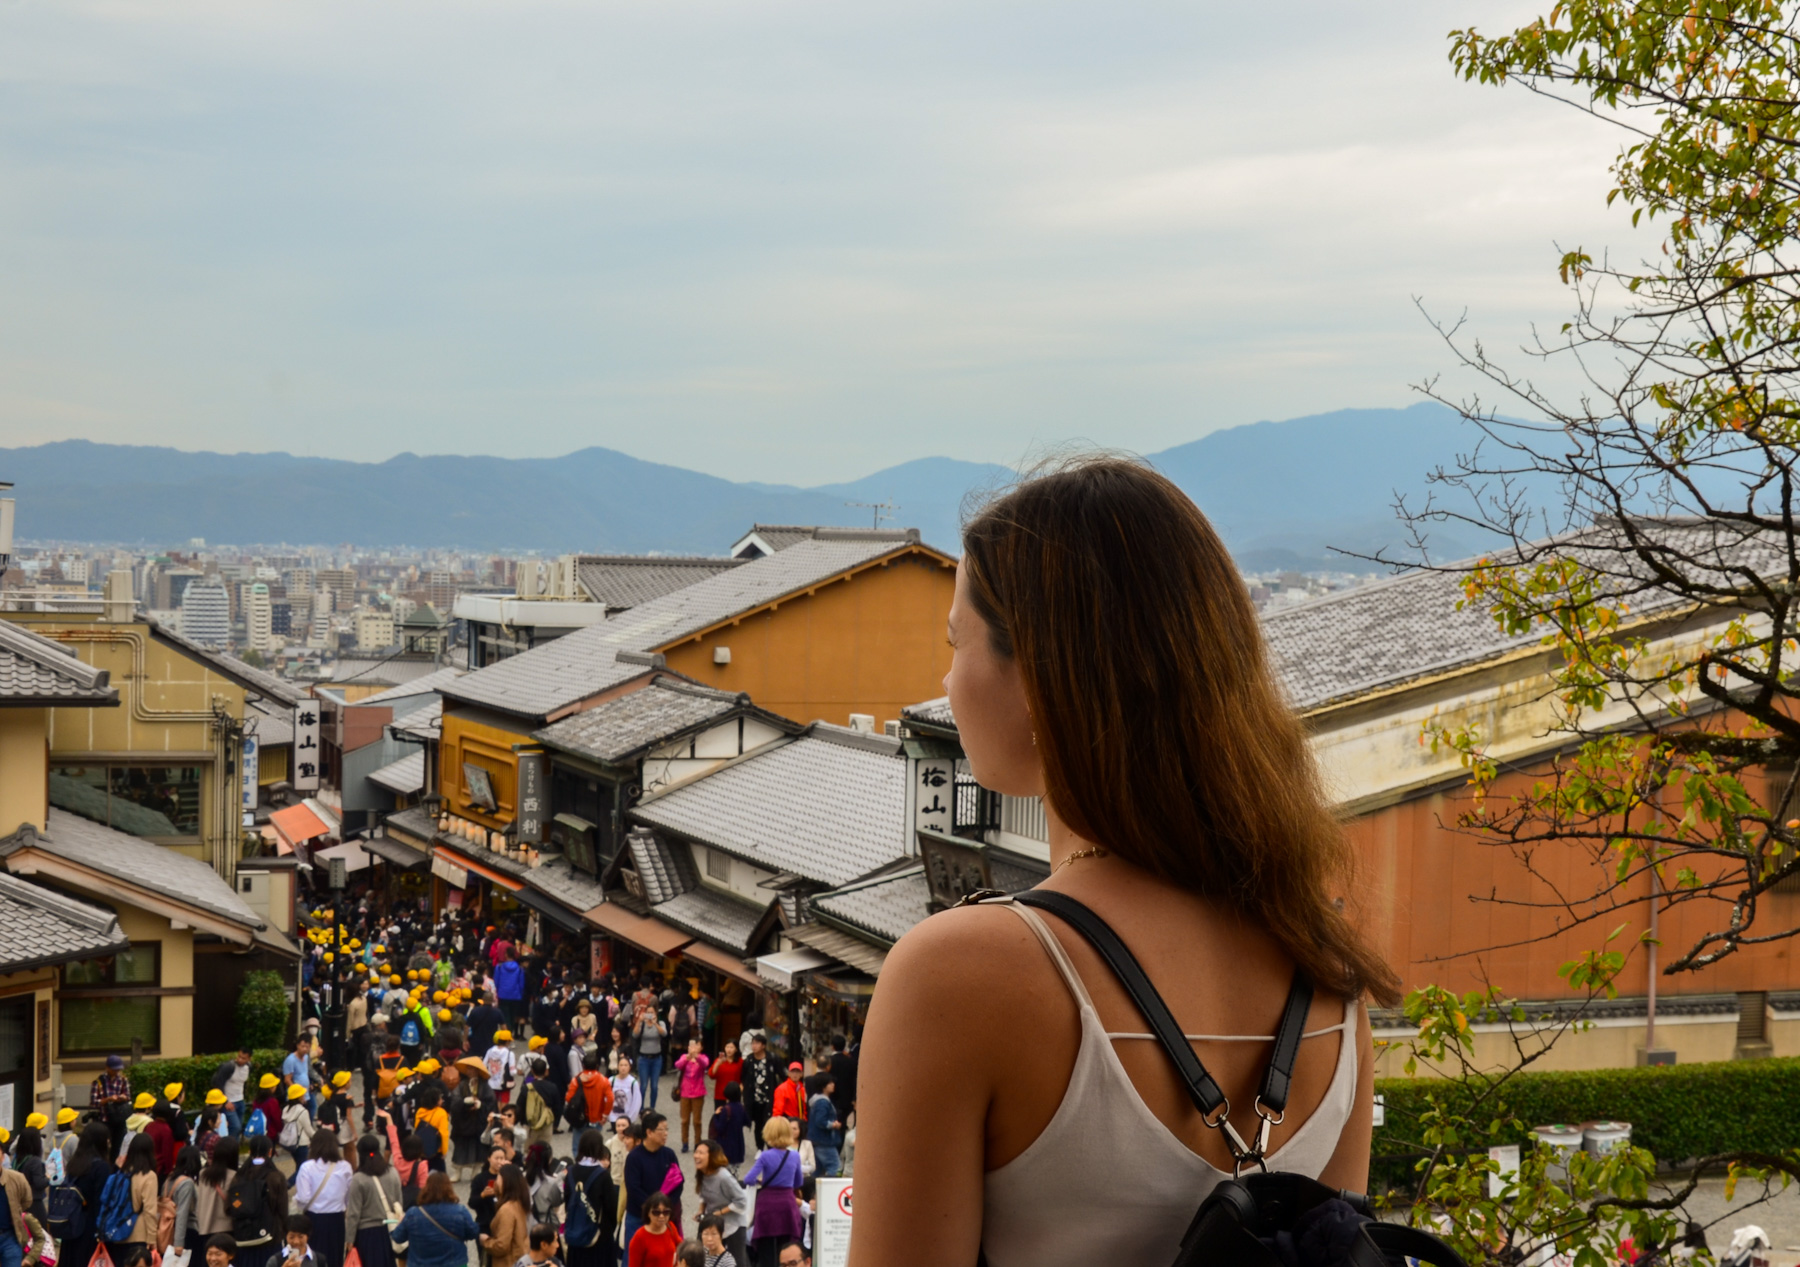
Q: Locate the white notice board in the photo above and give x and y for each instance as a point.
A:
(831, 1224)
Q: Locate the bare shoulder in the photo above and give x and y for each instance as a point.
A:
(964, 959)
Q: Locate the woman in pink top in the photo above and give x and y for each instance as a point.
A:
(692, 1069)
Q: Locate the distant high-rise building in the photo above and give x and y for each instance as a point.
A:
(259, 619)
(342, 584)
(171, 583)
(440, 589)
(374, 629)
(281, 617)
(206, 613)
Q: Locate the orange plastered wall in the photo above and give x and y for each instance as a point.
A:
(482, 745)
(1423, 890)
(871, 642)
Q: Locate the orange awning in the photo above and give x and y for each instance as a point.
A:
(650, 935)
(487, 873)
(723, 961)
(296, 825)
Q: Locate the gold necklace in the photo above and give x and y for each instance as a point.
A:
(1098, 851)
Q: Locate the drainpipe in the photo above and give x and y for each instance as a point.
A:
(1650, 1022)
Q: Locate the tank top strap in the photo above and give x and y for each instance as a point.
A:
(1054, 949)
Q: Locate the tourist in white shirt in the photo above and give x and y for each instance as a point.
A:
(321, 1187)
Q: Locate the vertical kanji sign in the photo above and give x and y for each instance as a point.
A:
(306, 746)
(934, 794)
(530, 817)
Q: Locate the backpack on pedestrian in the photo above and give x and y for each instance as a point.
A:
(68, 1211)
(246, 1203)
(411, 1033)
(116, 1215)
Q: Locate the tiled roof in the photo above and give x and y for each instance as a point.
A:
(719, 918)
(829, 806)
(415, 822)
(622, 581)
(887, 906)
(575, 889)
(933, 712)
(39, 927)
(274, 725)
(406, 776)
(425, 685)
(397, 669)
(536, 683)
(35, 669)
(665, 867)
(266, 684)
(785, 536)
(621, 727)
(421, 723)
(137, 862)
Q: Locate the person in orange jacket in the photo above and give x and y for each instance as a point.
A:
(790, 1096)
(595, 1089)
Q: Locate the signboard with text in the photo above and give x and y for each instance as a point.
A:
(831, 1224)
(251, 764)
(934, 794)
(306, 746)
(532, 801)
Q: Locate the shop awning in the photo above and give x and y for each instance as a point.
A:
(840, 945)
(487, 873)
(355, 857)
(722, 961)
(651, 935)
(783, 970)
(450, 874)
(295, 825)
(552, 910)
(395, 852)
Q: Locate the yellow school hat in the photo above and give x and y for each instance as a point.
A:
(215, 1097)
(296, 1092)
(66, 1115)
(144, 1101)
(503, 1036)
(172, 1092)
(37, 1121)
(341, 1078)
(268, 1082)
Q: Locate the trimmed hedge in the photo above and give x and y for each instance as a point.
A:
(1676, 1111)
(263, 1010)
(195, 1074)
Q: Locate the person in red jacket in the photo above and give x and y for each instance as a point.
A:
(790, 1096)
(595, 1088)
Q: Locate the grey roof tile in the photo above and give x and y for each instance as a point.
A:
(536, 683)
(822, 807)
(406, 776)
(886, 906)
(786, 536)
(717, 917)
(664, 867)
(575, 889)
(622, 581)
(627, 725)
(274, 726)
(34, 668)
(137, 862)
(39, 927)
(421, 723)
(425, 685)
(935, 712)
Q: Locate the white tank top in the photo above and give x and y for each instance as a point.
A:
(1106, 1182)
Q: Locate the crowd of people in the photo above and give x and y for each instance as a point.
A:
(474, 1052)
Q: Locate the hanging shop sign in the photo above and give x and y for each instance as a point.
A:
(532, 801)
(306, 746)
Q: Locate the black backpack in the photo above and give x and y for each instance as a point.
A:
(246, 1202)
(1267, 1219)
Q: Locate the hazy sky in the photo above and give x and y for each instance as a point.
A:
(783, 241)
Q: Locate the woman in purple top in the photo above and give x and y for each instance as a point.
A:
(776, 1178)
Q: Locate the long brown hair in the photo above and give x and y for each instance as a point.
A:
(1169, 742)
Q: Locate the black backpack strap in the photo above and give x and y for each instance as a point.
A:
(1385, 1244)
(1202, 1088)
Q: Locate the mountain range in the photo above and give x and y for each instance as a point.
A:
(1283, 494)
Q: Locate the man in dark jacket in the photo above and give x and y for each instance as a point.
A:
(759, 1078)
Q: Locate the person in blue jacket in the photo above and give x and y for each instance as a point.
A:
(509, 985)
(437, 1230)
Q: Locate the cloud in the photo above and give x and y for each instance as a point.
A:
(792, 241)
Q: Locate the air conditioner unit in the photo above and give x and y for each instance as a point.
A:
(863, 722)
